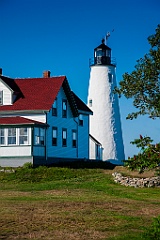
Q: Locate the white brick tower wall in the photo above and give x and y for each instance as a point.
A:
(105, 124)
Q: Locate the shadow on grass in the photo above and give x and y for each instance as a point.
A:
(85, 164)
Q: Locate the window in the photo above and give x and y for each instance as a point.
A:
(11, 136)
(2, 136)
(54, 136)
(110, 76)
(81, 120)
(39, 134)
(23, 136)
(64, 137)
(1, 97)
(54, 108)
(64, 108)
(14, 136)
(36, 135)
(108, 53)
(42, 135)
(74, 138)
(90, 102)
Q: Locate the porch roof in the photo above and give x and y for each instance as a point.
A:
(19, 121)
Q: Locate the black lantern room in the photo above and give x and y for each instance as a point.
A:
(102, 54)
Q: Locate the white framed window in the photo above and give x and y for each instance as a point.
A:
(54, 136)
(2, 136)
(64, 137)
(23, 136)
(14, 136)
(11, 136)
(1, 97)
(54, 108)
(74, 138)
(64, 108)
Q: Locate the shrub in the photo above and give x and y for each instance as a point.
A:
(153, 232)
(28, 165)
(147, 158)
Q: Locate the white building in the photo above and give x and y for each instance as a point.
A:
(41, 121)
(105, 124)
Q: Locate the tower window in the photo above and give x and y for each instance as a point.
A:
(110, 77)
(90, 102)
(108, 53)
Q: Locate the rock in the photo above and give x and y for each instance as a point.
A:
(136, 182)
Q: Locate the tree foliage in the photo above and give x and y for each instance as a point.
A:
(147, 158)
(143, 84)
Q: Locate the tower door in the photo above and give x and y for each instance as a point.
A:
(97, 153)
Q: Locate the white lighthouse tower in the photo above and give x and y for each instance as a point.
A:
(105, 124)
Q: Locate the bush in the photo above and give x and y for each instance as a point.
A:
(147, 158)
(153, 232)
(28, 165)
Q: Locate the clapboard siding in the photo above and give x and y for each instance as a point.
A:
(60, 122)
(7, 94)
(70, 123)
(83, 138)
(36, 117)
(14, 151)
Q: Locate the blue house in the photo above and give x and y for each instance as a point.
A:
(41, 121)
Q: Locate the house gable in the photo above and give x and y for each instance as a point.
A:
(9, 90)
(6, 93)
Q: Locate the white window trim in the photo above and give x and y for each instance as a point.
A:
(27, 135)
(1, 97)
(55, 129)
(17, 143)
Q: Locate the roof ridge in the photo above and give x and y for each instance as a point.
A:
(41, 77)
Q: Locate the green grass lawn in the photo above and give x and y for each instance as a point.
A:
(73, 203)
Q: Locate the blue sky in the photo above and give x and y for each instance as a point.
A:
(60, 35)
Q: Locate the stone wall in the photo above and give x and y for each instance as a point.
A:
(136, 182)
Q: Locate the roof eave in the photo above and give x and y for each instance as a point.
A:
(85, 112)
(24, 124)
(70, 98)
(24, 111)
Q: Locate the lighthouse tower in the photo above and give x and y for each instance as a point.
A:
(105, 124)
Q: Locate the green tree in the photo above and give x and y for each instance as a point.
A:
(147, 158)
(143, 84)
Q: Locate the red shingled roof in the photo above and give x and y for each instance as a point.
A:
(18, 120)
(37, 93)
